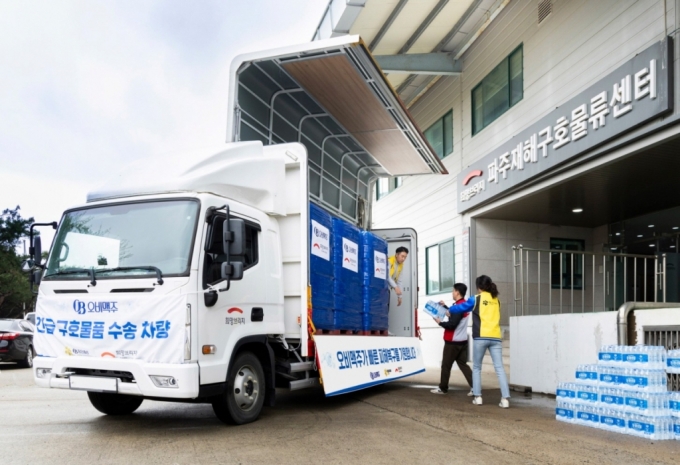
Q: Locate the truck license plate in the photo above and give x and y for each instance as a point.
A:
(93, 383)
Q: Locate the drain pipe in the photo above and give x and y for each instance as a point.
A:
(628, 307)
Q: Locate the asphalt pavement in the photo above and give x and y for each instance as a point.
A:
(395, 423)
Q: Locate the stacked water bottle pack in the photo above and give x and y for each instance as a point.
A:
(626, 392)
(376, 294)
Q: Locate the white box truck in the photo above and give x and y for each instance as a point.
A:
(186, 277)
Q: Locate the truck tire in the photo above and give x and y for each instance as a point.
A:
(28, 361)
(114, 404)
(242, 401)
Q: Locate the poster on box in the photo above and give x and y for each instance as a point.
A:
(109, 325)
(350, 255)
(321, 241)
(351, 363)
(380, 264)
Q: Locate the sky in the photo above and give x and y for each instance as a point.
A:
(89, 86)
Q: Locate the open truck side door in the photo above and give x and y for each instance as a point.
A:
(402, 318)
(332, 97)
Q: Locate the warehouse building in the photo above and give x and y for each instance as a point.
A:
(558, 124)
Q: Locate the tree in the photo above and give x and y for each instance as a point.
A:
(15, 290)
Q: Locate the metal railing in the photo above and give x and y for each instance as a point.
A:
(669, 337)
(542, 278)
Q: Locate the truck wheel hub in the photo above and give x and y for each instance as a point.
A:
(246, 387)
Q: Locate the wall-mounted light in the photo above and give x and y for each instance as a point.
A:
(650, 226)
(639, 235)
(577, 210)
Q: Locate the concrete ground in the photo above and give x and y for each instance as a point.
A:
(394, 423)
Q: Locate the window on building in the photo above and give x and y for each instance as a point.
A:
(566, 267)
(439, 266)
(502, 88)
(386, 185)
(440, 135)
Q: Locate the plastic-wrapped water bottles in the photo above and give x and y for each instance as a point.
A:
(673, 361)
(587, 394)
(610, 356)
(676, 428)
(651, 404)
(656, 428)
(612, 399)
(640, 380)
(566, 392)
(588, 374)
(674, 404)
(587, 415)
(634, 357)
(614, 420)
(565, 411)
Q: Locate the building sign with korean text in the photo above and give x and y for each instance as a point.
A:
(636, 92)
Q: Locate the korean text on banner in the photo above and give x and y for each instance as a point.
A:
(350, 363)
(144, 328)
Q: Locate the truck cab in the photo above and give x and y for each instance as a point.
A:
(186, 277)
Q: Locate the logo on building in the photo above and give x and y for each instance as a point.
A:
(471, 175)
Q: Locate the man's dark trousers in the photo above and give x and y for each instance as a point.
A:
(454, 353)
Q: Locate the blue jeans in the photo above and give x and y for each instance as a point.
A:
(496, 351)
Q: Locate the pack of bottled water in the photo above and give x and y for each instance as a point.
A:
(633, 379)
(625, 392)
(673, 361)
(635, 357)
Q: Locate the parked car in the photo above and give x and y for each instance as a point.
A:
(30, 317)
(16, 342)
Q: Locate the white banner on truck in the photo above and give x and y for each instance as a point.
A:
(321, 241)
(107, 325)
(350, 363)
(380, 264)
(350, 255)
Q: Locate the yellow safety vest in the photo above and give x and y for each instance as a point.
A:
(400, 266)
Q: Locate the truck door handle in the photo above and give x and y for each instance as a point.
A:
(257, 314)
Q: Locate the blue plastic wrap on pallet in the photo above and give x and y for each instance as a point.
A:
(374, 322)
(347, 320)
(321, 243)
(374, 260)
(323, 318)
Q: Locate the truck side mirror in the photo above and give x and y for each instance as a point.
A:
(37, 250)
(234, 236)
(36, 277)
(232, 271)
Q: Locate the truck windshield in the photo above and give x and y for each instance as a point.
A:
(151, 234)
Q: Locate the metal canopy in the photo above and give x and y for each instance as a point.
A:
(332, 97)
(627, 188)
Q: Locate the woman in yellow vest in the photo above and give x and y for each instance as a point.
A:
(396, 265)
(486, 332)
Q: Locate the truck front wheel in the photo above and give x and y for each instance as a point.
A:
(114, 404)
(243, 399)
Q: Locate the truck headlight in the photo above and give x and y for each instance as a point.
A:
(43, 372)
(164, 381)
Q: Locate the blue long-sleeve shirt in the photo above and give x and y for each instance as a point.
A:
(466, 306)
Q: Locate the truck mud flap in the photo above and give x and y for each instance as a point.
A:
(350, 363)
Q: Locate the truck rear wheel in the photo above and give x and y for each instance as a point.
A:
(114, 404)
(243, 399)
